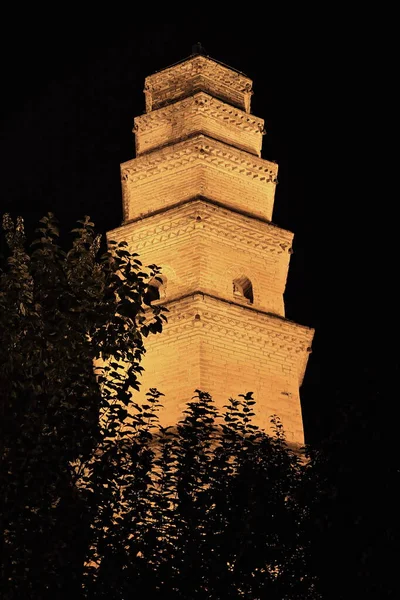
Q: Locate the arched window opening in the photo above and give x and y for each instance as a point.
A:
(243, 289)
(155, 290)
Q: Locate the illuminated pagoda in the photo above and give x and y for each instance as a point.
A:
(198, 202)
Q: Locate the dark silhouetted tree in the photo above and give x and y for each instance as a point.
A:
(60, 311)
(99, 501)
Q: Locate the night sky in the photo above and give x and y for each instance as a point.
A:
(68, 104)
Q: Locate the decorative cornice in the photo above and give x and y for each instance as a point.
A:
(203, 150)
(200, 216)
(199, 104)
(198, 309)
(209, 201)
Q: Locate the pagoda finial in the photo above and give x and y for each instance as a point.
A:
(198, 48)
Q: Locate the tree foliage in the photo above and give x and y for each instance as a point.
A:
(60, 311)
(212, 509)
(99, 500)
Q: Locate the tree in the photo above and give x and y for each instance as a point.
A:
(213, 509)
(355, 531)
(60, 311)
(99, 500)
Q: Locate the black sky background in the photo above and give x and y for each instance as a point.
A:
(67, 108)
(70, 87)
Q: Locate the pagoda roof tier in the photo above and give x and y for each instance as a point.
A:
(198, 74)
(200, 113)
(198, 166)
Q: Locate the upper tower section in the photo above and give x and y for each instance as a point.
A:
(198, 74)
(198, 95)
(198, 139)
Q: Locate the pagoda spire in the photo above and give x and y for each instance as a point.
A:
(198, 48)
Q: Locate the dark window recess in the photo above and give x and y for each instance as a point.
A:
(155, 290)
(242, 288)
(153, 293)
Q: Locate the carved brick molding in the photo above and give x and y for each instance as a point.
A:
(200, 216)
(205, 149)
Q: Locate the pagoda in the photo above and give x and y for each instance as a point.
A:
(198, 202)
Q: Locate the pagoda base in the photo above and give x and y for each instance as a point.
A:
(227, 349)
